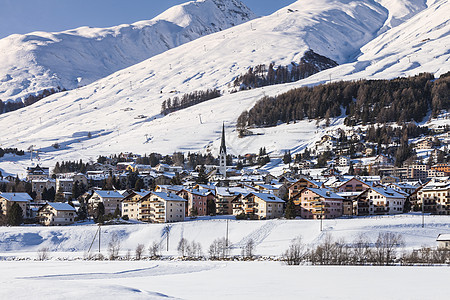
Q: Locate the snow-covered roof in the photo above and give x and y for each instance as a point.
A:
(268, 197)
(231, 191)
(326, 193)
(109, 194)
(61, 206)
(443, 237)
(387, 192)
(16, 197)
(168, 196)
(268, 187)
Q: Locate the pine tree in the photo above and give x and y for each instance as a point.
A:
(139, 184)
(117, 212)
(15, 215)
(290, 210)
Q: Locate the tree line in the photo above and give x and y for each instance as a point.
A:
(187, 100)
(364, 102)
(30, 99)
(259, 76)
(11, 150)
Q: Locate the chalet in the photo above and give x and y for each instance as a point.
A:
(37, 172)
(302, 183)
(316, 203)
(278, 190)
(56, 214)
(435, 197)
(224, 196)
(8, 199)
(424, 144)
(353, 185)
(380, 201)
(261, 205)
(443, 241)
(110, 199)
(131, 205)
(162, 207)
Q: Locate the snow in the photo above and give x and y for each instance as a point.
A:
(33, 62)
(347, 31)
(218, 280)
(271, 237)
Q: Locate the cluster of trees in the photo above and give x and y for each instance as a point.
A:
(365, 102)
(259, 76)
(14, 216)
(187, 100)
(11, 150)
(11, 106)
(71, 166)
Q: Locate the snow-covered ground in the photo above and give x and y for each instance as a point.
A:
(346, 31)
(271, 237)
(216, 280)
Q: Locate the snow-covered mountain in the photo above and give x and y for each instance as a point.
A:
(121, 111)
(33, 62)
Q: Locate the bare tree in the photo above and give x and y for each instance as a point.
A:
(361, 253)
(183, 247)
(295, 254)
(219, 249)
(128, 255)
(386, 247)
(194, 250)
(139, 251)
(249, 249)
(154, 250)
(43, 253)
(114, 247)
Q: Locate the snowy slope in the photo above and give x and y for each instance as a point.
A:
(109, 107)
(33, 62)
(271, 237)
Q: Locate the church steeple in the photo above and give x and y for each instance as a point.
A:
(223, 154)
(223, 147)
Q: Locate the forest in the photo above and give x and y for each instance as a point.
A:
(364, 102)
(187, 100)
(259, 76)
(30, 99)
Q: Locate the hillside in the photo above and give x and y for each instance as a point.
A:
(122, 111)
(271, 237)
(37, 61)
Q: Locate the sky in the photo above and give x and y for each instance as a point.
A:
(24, 16)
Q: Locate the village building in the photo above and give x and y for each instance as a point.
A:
(162, 207)
(262, 205)
(39, 185)
(37, 172)
(8, 199)
(197, 201)
(435, 197)
(302, 183)
(132, 205)
(443, 241)
(56, 214)
(380, 201)
(316, 203)
(224, 196)
(111, 200)
(353, 185)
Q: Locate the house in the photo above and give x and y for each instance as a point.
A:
(343, 161)
(302, 183)
(37, 172)
(316, 203)
(435, 197)
(197, 201)
(56, 214)
(278, 190)
(8, 199)
(38, 186)
(442, 168)
(353, 185)
(110, 199)
(443, 241)
(162, 207)
(64, 186)
(262, 205)
(166, 168)
(132, 205)
(424, 144)
(224, 196)
(380, 200)
(382, 160)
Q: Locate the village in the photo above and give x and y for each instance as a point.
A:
(122, 188)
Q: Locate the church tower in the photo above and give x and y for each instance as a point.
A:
(223, 154)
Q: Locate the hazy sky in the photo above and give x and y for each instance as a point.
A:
(23, 16)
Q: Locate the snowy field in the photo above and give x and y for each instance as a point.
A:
(216, 280)
(271, 237)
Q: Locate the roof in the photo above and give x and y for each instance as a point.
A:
(203, 192)
(16, 197)
(231, 191)
(109, 194)
(268, 197)
(168, 196)
(325, 193)
(61, 206)
(223, 147)
(388, 192)
(443, 237)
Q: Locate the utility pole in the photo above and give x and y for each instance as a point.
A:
(321, 217)
(423, 212)
(226, 242)
(167, 229)
(99, 236)
(200, 117)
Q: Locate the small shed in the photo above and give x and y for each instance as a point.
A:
(443, 241)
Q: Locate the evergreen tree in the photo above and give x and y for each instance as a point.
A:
(211, 207)
(117, 212)
(139, 184)
(15, 215)
(290, 210)
(202, 178)
(287, 158)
